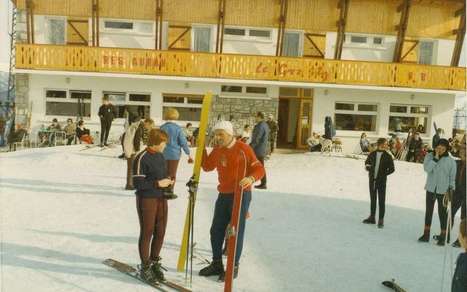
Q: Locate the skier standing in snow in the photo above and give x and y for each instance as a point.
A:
(379, 165)
(132, 143)
(177, 141)
(441, 170)
(150, 177)
(107, 113)
(225, 158)
(259, 143)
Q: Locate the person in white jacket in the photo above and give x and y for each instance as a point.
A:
(133, 144)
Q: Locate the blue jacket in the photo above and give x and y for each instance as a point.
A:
(441, 174)
(177, 141)
(260, 138)
(459, 281)
(149, 167)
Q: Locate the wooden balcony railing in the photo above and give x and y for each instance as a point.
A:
(207, 65)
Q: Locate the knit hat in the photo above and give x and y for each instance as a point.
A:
(226, 126)
(443, 142)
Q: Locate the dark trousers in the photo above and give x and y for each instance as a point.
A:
(172, 166)
(105, 129)
(70, 139)
(222, 216)
(459, 202)
(431, 198)
(152, 214)
(378, 193)
(271, 145)
(263, 180)
(410, 155)
(129, 172)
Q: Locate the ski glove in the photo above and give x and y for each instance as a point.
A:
(247, 181)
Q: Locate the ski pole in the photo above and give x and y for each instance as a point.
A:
(188, 238)
(192, 238)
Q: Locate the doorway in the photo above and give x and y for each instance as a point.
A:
(294, 118)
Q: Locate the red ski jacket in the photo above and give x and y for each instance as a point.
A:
(228, 161)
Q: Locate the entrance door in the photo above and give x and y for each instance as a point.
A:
(304, 123)
(294, 119)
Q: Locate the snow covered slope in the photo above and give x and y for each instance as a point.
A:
(63, 211)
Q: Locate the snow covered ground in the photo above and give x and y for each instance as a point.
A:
(63, 211)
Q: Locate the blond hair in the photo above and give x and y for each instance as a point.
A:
(171, 114)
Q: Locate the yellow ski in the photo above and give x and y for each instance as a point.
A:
(182, 258)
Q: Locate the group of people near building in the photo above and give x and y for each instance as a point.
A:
(445, 186)
(153, 156)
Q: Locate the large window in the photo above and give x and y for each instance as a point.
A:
(188, 106)
(137, 104)
(237, 90)
(56, 31)
(360, 117)
(70, 103)
(291, 46)
(201, 39)
(405, 117)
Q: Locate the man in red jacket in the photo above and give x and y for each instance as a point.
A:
(237, 167)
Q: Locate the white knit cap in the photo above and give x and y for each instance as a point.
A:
(226, 126)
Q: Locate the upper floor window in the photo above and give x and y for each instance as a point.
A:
(236, 33)
(55, 31)
(118, 25)
(426, 53)
(244, 90)
(201, 39)
(363, 41)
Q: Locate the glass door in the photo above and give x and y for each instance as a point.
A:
(304, 122)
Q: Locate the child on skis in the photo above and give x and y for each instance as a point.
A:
(379, 165)
(459, 281)
(150, 178)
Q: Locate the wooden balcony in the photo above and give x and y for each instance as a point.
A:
(242, 67)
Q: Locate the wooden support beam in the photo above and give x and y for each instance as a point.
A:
(156, 17)
(343, 6)
(30, 21)
(97, 23)
(282, 24)
(160, 24)
(308, 36)
(401, 29)
(220, 27)
(187, 29)
(459, 40)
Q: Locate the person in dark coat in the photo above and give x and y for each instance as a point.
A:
(379, 165)
(273, 130)
(415, 146)
(259, 143)
(459, 198)
(459, 280)
(329, 130)
(107, 113)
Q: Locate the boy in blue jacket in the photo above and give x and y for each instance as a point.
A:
(150, 178)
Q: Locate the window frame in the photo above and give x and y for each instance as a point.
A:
(65, 30)
(246, 36)
(408, 114)
(127, 99)
(68, 100)
(244, 92)
(185, 103)
(136, 31)
(356, 112)
(211, 39)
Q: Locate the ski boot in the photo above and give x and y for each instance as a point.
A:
(156, 269)
(147, 273)
(456, 243)
(380, 223)
(441, 239)
(369, 220)
(216, 268)
(426, 235)
(222, 275)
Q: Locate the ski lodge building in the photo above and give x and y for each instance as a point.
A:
(374, 66)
